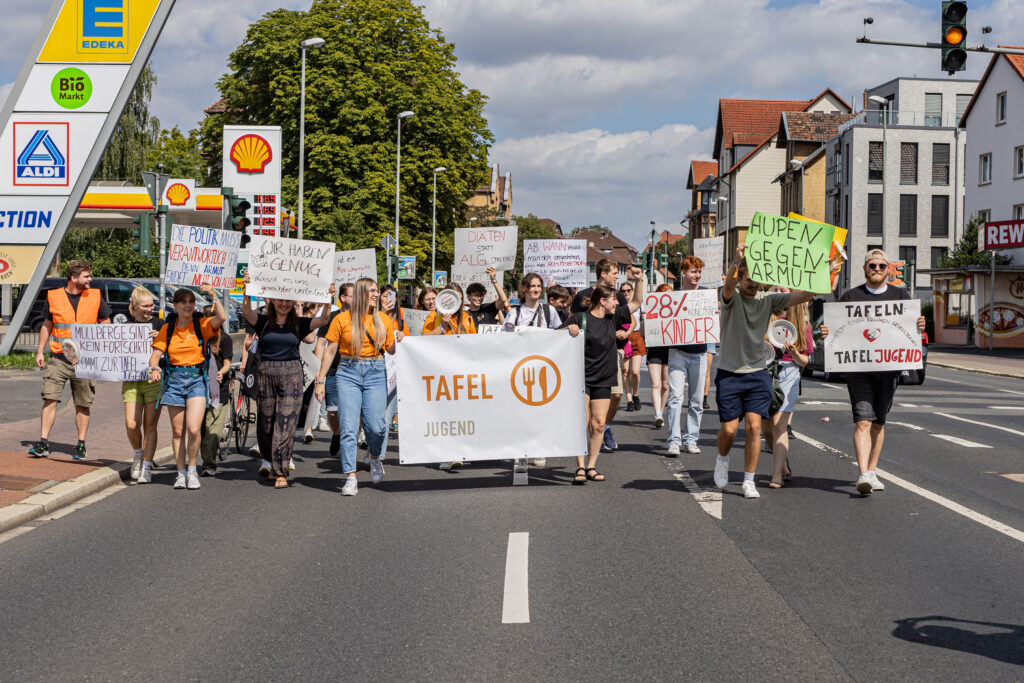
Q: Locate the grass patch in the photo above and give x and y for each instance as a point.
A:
(18, 360)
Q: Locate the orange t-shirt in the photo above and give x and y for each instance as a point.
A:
(184, 345)
(340, 332)
(434, 320)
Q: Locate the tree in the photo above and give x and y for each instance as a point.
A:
(136, 134)
(110, 252)
(680, 247)
(381, 57)
(966, 253)
(179, 154)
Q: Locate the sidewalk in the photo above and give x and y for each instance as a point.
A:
(999, 362)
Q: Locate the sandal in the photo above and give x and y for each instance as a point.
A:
(596, 476)
(281, 483)
(580, 477)
(775, 484)
(788, 473)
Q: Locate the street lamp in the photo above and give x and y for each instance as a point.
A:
(650, 264)
(471, 219)
(883, 106)
(308, 43)
(398, 177)
(433, 230)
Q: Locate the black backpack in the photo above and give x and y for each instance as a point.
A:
(172, 319)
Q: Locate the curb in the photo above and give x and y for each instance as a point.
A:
(951, 366)
(71, 491)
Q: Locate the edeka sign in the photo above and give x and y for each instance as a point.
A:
(29, 220)
(477, 249)
(872, 337)
(99, 31)
(459, 395)
(690, 317)
(299, 270)
(789, 252)
(564, 261)
(198, 255)
(113, 353)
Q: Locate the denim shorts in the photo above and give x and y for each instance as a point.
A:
(331, 394)
(789, 382)
(181, 386)
(738, 394)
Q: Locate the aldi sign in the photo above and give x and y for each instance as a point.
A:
(41, 154)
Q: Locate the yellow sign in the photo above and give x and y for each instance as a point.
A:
(18, 262)
(99, 31)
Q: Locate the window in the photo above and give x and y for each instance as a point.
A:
(985, 169)
(933, 109)
(908, 255)
(985, 215)
(846, 160)
(876, 162)
(872, 247)
(940, 215)
(908, 215)
(875, 216)
(940, 163)
(962, 100)
(1018, 212)
(846, 212)
(908, 163)
(119, 293)
(1018, 162)
(1000, 108)
(938, 253)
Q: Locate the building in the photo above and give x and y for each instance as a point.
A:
(603, 244)
(803, 135)
(895, 173)
(553, 224)
(496, 197)
(700, 219)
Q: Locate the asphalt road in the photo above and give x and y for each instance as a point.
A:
(651, 575)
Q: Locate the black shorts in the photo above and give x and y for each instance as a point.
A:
(871, 394)
(597, 393)
(657, 354)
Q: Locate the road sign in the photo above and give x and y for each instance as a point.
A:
(388, 242)
(155, 184)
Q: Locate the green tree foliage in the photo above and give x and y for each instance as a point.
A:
(110, 252)
(677, 251)
(136, 135)
(966, 253)
(381, 57)
(179, 153)
(530, 228)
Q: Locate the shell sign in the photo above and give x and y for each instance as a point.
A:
(178, 194)
(251, 154)
(181, 194)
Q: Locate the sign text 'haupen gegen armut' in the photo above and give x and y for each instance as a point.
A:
(672, 318)
(282, 268)
(199, 255)
(873, 337)
(789, 252)
(113, 353)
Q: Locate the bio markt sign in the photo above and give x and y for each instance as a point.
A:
(44, 154)
(71, 88)
(99, 31)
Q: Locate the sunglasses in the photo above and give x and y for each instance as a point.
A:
(878, 266)
(627, 289)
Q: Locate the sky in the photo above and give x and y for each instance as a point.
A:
(598, 106)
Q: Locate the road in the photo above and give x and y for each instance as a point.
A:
(651, 575)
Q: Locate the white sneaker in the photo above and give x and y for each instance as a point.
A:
(673, 450)
(291, 465)
(692, 449)
(193, 480)
(351, 487)
(264, 468)
(145, 476)
(520, 465)
(376, 470)
(721, 473)
(540, 462)
(136, 467)
(750, 489)
(254, 451)
(308, 436)
(179, 481)
(876, 483)
(659, 421)
(864, 485)
(322, 425)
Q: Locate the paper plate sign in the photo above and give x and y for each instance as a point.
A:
(448, 302)
(769, 353)
(781, 332)
(790, 252)
(870, 337)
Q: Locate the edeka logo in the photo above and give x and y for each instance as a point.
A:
(103, 27)
(251, 154)
(536, 380)
(41, 154)
(71, 88)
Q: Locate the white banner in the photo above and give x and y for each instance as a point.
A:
(500, 397)
(464, 278)
(310, 363)
(113, 353)
(525, 329)
(415, 320)
(564, 261)
(872, 337)
(349, 266)
(199, 255)
(300, 270)
(709, 250)
(477, 249)
(672, 318)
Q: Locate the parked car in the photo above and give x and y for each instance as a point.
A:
(116, 292)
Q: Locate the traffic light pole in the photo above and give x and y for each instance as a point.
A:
(938, 46)
(161, 221)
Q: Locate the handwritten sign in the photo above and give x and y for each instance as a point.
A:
(710, 251)
(295, 270)
(415, 320)
(789, 252)
(872, 337)
(113, 353)
(349, 266)
(564, 261)
(464, 278)
(689, 317)
(477, 249)
(199, 255)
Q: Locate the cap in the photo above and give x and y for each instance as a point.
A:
(875, 254)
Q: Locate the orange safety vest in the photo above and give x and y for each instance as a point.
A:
(64, 316)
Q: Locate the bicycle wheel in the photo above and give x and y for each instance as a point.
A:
(246, 415)
(229, 420)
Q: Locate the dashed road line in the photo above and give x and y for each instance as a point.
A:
(515, 607)
(710, 500)
(960, 442)
(1011, 391)
(943, 379)
(983, 424)
(1006, 407)
(916, 428)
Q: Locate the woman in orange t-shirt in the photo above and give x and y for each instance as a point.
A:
(461, 323)
(360, 335)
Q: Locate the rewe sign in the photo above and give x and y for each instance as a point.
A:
(1001, 235)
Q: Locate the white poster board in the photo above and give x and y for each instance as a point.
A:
(199, 255)
(349, 266)
(113, 353)
(415, 320)
(310, 363)
(477, 249)
(709, 250)
(873, 337)
(464, 278)
(564, 261)
(299, 270)
(498, 397)
(690, 317)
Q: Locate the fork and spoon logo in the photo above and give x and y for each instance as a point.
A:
(536, 380)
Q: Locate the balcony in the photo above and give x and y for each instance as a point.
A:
(901, 118)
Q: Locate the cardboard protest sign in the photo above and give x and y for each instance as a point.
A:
(564, 261)
(415, 320)
(838, 240)
(710, 251)
(477, 249)
(282, 268)
(789, 252)
(113, 353)
(872, 337)
(197, 255)
(349, 266)
(464, 278)
(689, 317)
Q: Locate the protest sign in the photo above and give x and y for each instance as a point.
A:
(689, 317)
(197, 255)
(872, 337)
(523, 329)
(477, 249)
(710, 251)
(496, 398)
(789, 252)
(838, 240)
(414, 320)
(564, 261)
(282, 268)
(349, 266)
(464, 278)
(113, 353)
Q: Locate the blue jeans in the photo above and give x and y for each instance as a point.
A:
(685, 370)
(389, 416)
(362, 390)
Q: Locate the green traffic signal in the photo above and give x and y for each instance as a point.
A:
(143, 234)
(954, 36)
(235, 212)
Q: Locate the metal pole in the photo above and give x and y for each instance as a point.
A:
(433, 234)
(885, 171)
(992, 305)
(302, 140)
(650, 265)
(161, 218)
(398, 188)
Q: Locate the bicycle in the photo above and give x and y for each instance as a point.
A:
(241, 412)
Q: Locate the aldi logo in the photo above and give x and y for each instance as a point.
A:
(41, 154)
(103, 27)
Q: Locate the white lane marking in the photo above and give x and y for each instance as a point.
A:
(1011, 391)
(516, 604)
(960, 442)
(906, 405)
(1006, 407)
(983, 424)
(926, 494)
(710, 500)
(907, 425)
(832, 386)
(824, 403)
(943, 379)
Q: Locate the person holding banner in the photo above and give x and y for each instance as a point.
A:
(657, 368)
(687, 367)
(361, 335)
(559, 298)
(531, 312)
(141, 413)
(481, 313)
(426, 299)
(64, 307)
(389, 306)
(179, 362)
(872, 393)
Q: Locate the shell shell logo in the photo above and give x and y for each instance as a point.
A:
(251, 154)
(178, 194)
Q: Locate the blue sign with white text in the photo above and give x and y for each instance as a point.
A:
(41, 154)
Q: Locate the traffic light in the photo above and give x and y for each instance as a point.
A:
(954, 36)
(235, 208)
(143, 234)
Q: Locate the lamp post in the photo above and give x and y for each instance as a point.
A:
(398, 178)
(471, 219)
(308, 43)
(679, 281)
(433, 230)
(650, 264)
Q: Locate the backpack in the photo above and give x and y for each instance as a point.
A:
(172, 319)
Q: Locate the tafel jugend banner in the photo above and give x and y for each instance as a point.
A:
(672, 318)
(872, 337)
(789, 252)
